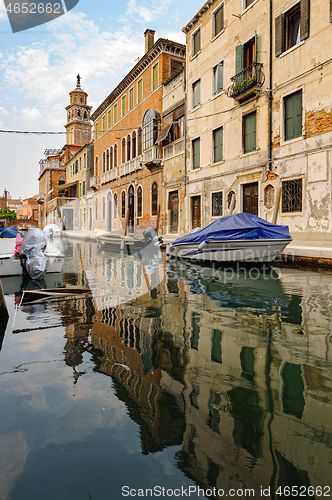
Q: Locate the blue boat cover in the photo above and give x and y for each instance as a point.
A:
(241, 226)
(8, 233)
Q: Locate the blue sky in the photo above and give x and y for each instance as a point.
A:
(38, 67)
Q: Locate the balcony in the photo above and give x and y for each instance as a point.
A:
(174, 149)
(247, 82)
(152, 157)
(94, 182)
(130, 166)
(108, 176)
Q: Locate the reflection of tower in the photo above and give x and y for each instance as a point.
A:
(78, 126)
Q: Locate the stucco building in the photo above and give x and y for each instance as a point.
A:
(259, 112)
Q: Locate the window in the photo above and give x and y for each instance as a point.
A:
(115, 155)
(96, 131)
(179, 128)
(150, 128)
(292, 27)
(96, 165)
(216, 204)
(293, 116)
(80, 164)
(249, 133)
(104, 208)
(84, 161)
(139, 201)
(133, 145)
(155, 76)
(154, 199)
(115, 113)
(218, 78)
(218, 21)
(131, 98)
(123, 205)
(84, 188)
(123, 150)
(174, 65)
(291, 194)
(217, 144)
(115, 207)
(216, 350)
(196, 94)
(123, 105)
(76, 166)
(246, 3)
(140, 90)
(109, 119)
(196, 42)
(196, 153)
(104, 124)
(96, 210)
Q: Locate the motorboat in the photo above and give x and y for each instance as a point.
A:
(129, 243)
(240, 237)
(38, 255)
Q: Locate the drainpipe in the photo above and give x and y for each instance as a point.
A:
(269, 97)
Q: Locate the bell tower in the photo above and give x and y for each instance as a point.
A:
(78, 126)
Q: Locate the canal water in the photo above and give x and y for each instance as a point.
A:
(166, 379)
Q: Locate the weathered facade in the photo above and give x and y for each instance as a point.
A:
(259, 112)
(128, 166)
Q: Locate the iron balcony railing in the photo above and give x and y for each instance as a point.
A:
(246, 79)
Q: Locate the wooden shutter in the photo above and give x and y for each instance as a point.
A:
(330, 11)
(250, 133)
(238, 58)
(279, 35)
(305, 19)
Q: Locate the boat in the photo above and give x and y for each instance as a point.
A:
(41, 253)
(240, 237)
(52, 230)
(130, 243)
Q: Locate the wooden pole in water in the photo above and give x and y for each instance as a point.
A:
(158, 217)
(3, 307)
(276, 206)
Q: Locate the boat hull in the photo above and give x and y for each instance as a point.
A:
(230, 251)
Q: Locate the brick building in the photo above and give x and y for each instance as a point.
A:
(128, 166)
(259, 112)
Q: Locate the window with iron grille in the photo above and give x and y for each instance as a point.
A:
(123, 205)
(218, 20)
(292, 193)
(154, 192)
(139, 202)
(217, 204)
(196, 42)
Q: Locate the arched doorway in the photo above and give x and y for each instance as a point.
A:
(131, 208)
(109, 211)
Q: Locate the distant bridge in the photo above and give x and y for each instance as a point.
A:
(18, 222)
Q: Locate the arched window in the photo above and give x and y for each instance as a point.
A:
(115, 155)
(139, 142)
(139, 202)
(96, 165)
(115, 208)
(133, 145)
(96, 210)
(123, 204)
(128, 147)
(104, 162)
(154, 199)
(107, 160)
(150, 128)
(229, 199)
(61, 180)
(104, 208)
(111, 158)
(269, 196)
(123, 150)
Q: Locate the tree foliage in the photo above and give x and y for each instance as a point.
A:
(9, 214)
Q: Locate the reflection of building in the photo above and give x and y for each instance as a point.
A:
(128, 164)
(259, 111)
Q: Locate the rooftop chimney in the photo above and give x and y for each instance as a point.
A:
(149, 39)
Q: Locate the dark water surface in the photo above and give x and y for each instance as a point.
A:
(212, 379)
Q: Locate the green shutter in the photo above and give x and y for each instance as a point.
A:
(238, 58)
(216, 351)
(196, 153)
(256, 46)
(279, 35)
(195, 330)
(293, 116)
(305, 19)
(217, 144)
(250, 133)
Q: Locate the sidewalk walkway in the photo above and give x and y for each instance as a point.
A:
(305, 249)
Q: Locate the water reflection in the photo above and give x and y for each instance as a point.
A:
(233, 372)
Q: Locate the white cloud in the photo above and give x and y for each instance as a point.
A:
(3, 111)
(149, 12)
(3, 13)
(32, 114)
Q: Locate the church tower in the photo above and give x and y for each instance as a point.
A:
(78, 126)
